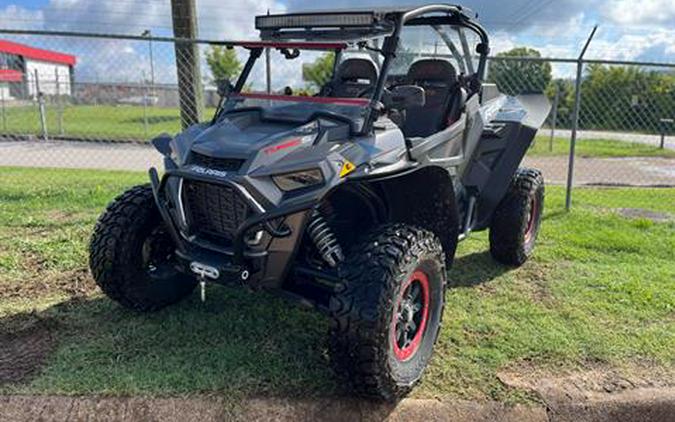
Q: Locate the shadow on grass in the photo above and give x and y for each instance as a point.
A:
(554, 215)
(474, 269)
(236, 343)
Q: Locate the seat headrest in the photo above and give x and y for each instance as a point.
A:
(353, 69)
(432, 70)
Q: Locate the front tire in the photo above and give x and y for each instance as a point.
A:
(387, 312)
(515, 223)
(131, 256)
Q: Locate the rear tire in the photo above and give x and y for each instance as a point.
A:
(515, 223)
(131, 255)
(387, 313)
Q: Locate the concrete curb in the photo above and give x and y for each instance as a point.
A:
(635, 405)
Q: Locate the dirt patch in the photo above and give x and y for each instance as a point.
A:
(25, 345)
(657, 217)
(38, 282)
(538, 278)
(586, 384)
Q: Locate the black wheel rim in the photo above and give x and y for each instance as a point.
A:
(157, 253)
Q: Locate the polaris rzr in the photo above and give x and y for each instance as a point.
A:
(349, 194)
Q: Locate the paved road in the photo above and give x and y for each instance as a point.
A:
(631, 171)
(115, 156)
(75, 154)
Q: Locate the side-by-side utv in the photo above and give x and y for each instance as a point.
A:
(350, 196)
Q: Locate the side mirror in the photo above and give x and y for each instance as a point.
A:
(405, 96)
(224, 87)
(162, 143)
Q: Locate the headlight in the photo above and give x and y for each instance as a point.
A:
(298, 180)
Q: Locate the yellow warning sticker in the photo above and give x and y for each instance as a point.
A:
(347, 168)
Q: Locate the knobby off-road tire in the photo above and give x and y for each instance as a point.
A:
(515, 223)
(373, 345)
(130, 254)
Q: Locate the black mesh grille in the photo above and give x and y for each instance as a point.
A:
(214, 211)
(223, 164)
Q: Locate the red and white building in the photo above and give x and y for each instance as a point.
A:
(19, 64)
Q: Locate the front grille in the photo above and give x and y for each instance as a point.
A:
(214, 211)
(222, 164)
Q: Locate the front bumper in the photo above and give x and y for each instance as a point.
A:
(236, 262)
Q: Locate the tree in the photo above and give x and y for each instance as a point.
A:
(626, 98)
(223, 62)
(515, 77)
(564, 90)
(319, 72)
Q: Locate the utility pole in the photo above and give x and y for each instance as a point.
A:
(184, 17)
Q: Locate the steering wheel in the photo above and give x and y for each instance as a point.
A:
(368, 90)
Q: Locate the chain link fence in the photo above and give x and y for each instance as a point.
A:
(100, 111)
(624, 134)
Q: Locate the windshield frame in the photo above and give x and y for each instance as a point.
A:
(257, 48)
(432, 15)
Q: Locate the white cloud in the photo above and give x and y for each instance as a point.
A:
(653, 45)
(645, 12)
(628, 30)
(16, 17)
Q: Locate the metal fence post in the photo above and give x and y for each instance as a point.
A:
(268, 71)
(664, 122)
(145, 99)
(41, 106)
(554, 116)
(59, 104)
(2, 103)
(575, 120)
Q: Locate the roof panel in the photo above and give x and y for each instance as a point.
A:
(36, 53)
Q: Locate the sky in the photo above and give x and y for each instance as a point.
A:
(628, 29)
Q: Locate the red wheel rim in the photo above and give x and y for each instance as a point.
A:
(532, 219)
(411, 313)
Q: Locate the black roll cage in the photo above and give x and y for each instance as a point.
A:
(454, 15)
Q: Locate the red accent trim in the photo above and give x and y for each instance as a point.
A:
(36, 53)
(283, 145)
(532, 219)
(301, 45)
(10, 75)
(301, 98)
(408, 351)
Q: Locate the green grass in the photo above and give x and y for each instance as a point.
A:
(599, 148)
(126, 122)
(598, 293)
(97, 122)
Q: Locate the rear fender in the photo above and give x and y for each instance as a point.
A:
(500, 150)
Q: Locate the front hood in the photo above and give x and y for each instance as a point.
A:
(264, 146)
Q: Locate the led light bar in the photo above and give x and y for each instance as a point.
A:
(310, 20)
